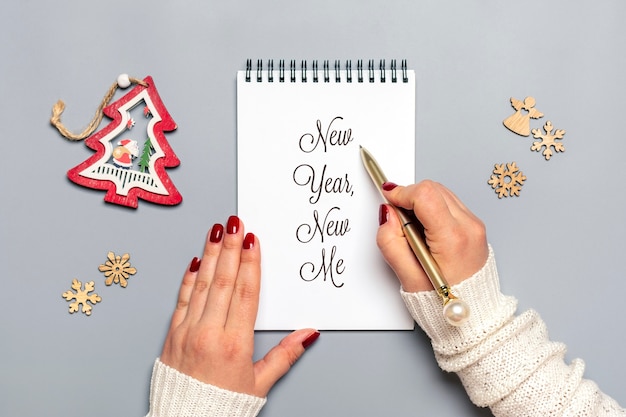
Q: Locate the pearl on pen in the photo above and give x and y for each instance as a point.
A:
(456, 312)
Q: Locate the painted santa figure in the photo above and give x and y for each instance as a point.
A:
(124, 154)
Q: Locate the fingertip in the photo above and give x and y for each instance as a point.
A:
(233, 225)
(300, 340)
(383, 214)
(234, 234)
(389, 225)
(396, 195)
(390, 190)
(312, 337)
(216, 233)
(249, 241)
(251, 249)
(388, 185)
(194, 265)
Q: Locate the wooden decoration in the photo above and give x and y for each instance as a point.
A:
(507, 180)
(128, 165)
(81, 297)
(117, 269)
(548, 140)
(519, 122)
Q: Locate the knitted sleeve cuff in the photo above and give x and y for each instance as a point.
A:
(173, 393)
(489, 310)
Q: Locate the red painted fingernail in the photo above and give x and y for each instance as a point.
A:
(388, 186)
(195, 264)
(233, 225)
(217, 231)
(383, 214)
(248, 241)
(310, 339)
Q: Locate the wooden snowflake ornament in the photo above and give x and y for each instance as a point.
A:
(117, 269)
(132, 151)
(81, 297)
(549, 140)
(507, 180)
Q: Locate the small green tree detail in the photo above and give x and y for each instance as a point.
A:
(147, 151)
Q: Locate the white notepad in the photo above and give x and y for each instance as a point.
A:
(303, 191)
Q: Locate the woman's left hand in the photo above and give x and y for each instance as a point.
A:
(211, 336)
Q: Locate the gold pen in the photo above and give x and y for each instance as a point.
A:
(455, 310)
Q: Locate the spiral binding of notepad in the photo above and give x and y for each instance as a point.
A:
(326, 71)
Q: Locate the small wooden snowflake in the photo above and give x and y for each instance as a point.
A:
(549, 140)
(82, 297)
(117, 269)
(507, 180)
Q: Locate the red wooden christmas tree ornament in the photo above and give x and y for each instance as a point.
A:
(132, 151)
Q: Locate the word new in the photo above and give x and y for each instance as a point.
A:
(327, 227)
(309, 141)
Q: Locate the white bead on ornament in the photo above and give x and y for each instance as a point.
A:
(123, 81)
(456, 312)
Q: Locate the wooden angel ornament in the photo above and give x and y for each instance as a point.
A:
(519, 122)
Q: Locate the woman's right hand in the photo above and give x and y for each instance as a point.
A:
(456, 237)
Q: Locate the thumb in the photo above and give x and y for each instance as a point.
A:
(281, 358)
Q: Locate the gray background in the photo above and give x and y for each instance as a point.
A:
(559, 245)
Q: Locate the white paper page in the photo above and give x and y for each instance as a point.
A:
(302, 189)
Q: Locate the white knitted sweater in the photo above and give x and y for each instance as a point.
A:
(505, 362)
